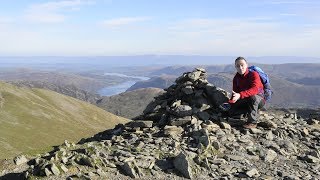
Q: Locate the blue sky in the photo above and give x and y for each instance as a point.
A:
(184, 27)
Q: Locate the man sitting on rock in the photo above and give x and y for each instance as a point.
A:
(247, 93)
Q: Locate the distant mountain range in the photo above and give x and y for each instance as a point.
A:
(294, 85)
(91, 82)
(99, 62)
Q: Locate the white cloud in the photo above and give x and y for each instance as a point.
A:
(242, 36)
(233, 36)
(53, 11)
(307, 9)
(288, 14)
(124, 21)
(289, 2)
(6, 20)
(48, 17)
(57, 5)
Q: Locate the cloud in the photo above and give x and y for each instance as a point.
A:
(307, 9)
(288, 14)
(242, 36)
(289, 2)
(6, 20)
(124, 21)
(53, 11)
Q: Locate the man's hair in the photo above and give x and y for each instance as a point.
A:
(240, 58)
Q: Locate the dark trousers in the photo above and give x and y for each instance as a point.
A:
(249, 106)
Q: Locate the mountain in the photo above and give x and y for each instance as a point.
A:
(294, 85)
(188, 137)
(57, 78)
(32, 120)
(154, 82)
(69, 90)
(129, 104)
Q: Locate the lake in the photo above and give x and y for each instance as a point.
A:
(120, 88)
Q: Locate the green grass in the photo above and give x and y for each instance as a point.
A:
(32, 120)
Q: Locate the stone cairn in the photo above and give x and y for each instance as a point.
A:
(191, 100)
(183, 135)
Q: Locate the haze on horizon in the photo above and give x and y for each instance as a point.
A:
(183, 27)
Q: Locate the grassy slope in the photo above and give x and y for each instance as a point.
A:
(35, 119)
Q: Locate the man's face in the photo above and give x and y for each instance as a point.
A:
(241, 66)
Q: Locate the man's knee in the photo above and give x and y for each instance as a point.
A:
(257, 100)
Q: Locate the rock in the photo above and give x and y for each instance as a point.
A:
(182, 111)
(176, 103)
(204, 140)
(270, 155)
(204, 115)
(315, 116)
(314, 153)
(64, 168)
(47, 172)
(212, 127)
(195, 75)
(187, 90)
(183, 164)
(173, 131)
(129, 169)
(87, 161)
(216, 95)
(201, 70)
(140, 124)
(164, 164)
(54, 169)
(181, 121)
(252, 173)
(66, 143)
(64, 160)
(268, 124)
(229, 157)
(216, 145)
(256, 131)
(269, 135)
(225, 125)
(311, 159)
(20, 160)
(204, 106)
(288, 145)
(305, 132)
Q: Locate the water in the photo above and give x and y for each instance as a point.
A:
(120, 88)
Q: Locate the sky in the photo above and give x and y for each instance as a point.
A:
(161, 27)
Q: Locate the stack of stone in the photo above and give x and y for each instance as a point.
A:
(191, 99)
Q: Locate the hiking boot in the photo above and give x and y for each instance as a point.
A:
(249, 125)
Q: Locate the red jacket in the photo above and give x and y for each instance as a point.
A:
(248, 84)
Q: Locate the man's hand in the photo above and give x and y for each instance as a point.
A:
(235, 96)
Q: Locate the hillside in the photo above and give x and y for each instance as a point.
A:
(69, 90)
(162, 82)
(58, 78)
(32, 120)
(129, 104)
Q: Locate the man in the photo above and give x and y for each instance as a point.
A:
(247, 93)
